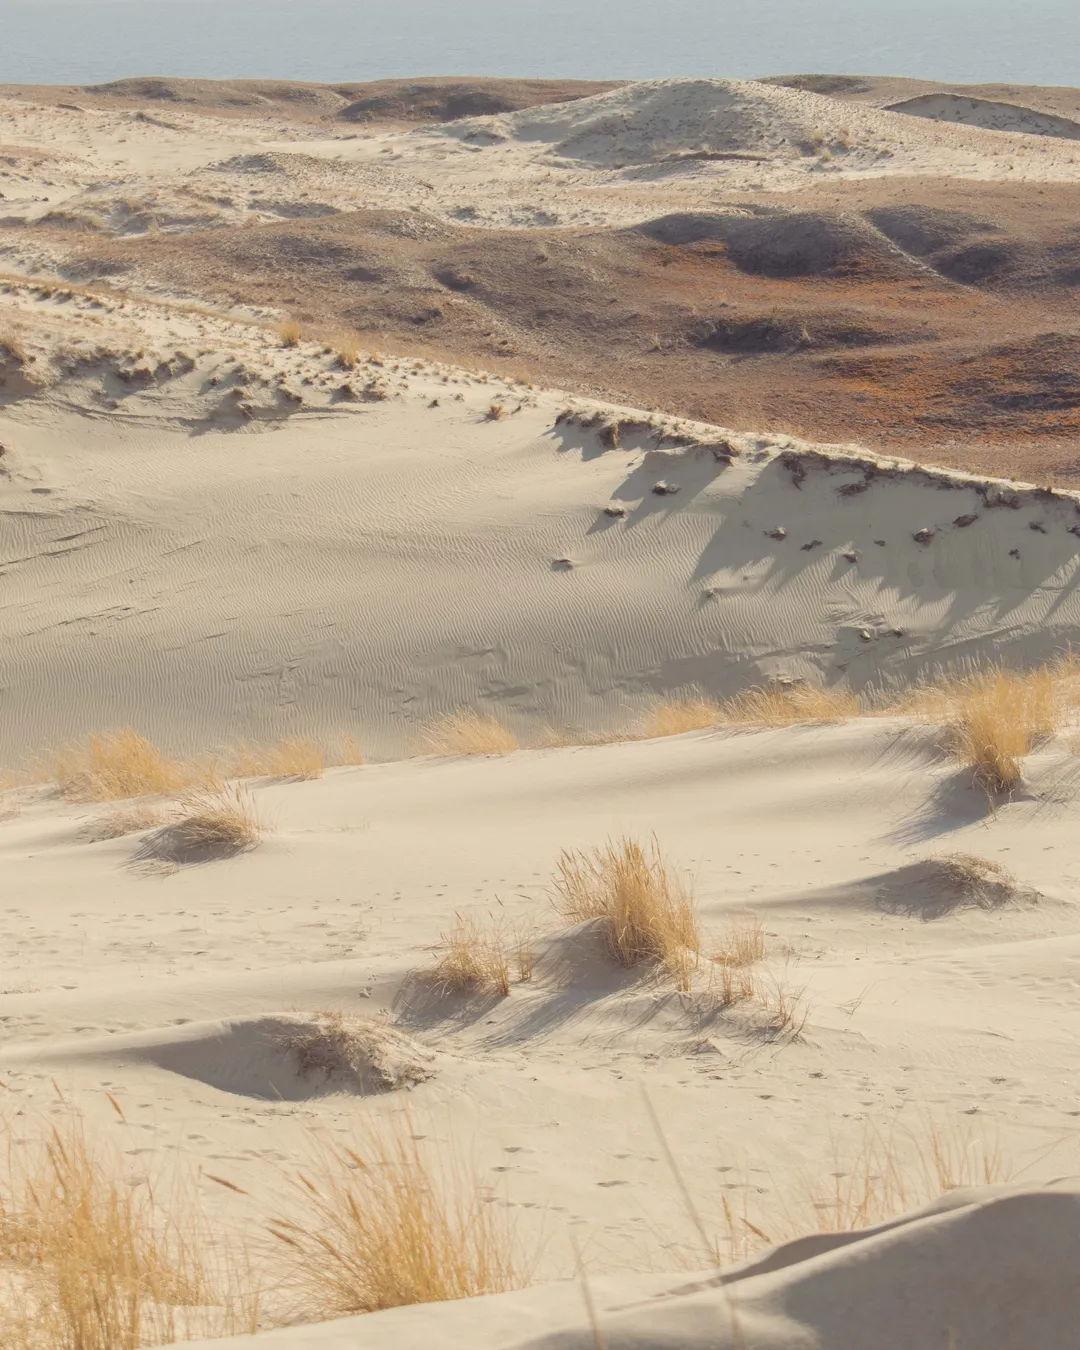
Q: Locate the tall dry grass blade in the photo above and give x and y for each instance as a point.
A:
(468, 733)
(789, 705)
(648, 910)
(96, 1265)
(475, 959)
(389, 1225)
(675, 717)
(116, 765)
(995, 717)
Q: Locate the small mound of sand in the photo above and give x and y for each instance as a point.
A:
(938, 887)
(774, 242)
(288, 1057)
(988, 114)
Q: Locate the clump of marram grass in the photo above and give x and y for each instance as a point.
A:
(474, 959)
(121, 764)
(347, 347)
(389, 1225)
(789, 705)
(648, 910)
(88, 1260)
(290, 333)
(295, 757)
(995, 717)
(210, 825)
(497, 412)
(674, 717)
(468, 733)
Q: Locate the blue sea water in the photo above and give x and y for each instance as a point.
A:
(86, 41)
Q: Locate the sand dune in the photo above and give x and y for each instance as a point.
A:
(249, 543)
(224, 526)
(982, 1265)
(981, 112)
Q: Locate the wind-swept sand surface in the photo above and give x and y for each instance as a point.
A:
(269, 545)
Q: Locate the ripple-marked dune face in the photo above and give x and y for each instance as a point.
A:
(986, 113)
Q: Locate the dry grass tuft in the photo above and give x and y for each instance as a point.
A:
(291, 333)
(888, 1174)
(292, 758)
(995, 717)
(789, 705)
(977, 881)
(673, 717)
(379, 1058)
(497, 412)
(122, 764)
(475, 959)
(743, 944)
(388, 1226)
(124, 820)
(349, 753)
(211, 825)
(347, 346)
(468, 733)
(90, 1262)
(649, 911)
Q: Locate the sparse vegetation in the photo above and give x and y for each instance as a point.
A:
(295, 757)
(788, 705)
(347, 346)
(648, 909)
(976, 881)
(291, 333)
(673, 717)
(497, 412)
(468, 733)
(475, 959)
(379, 1058)
(88, 1260)
(121, 764)
(389, 1225)
(995, 717)
(210, 825)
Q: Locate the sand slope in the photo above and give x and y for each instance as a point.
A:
(990, 1269)
(226, 539)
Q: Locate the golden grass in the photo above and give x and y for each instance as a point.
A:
(210, 825)
(648, 909)
(995, 717)
(347, 346)
(673, 717)
(887, 1174)
(474, 959)
(789, 705)
(390, 1225)
(468, 733)
(90, 1262)
(349, 753)
(124, 820)
(295, 757)
(116, 765)
(497, 412)
(291, 333)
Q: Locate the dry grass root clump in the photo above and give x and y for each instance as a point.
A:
(390, 1226)
(378, 1057)
(648, 909)
(468, 733)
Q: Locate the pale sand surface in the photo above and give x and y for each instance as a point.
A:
(213, 538)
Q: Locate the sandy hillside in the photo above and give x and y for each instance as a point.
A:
(216, 537)
(327, 942)
(743, 253)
